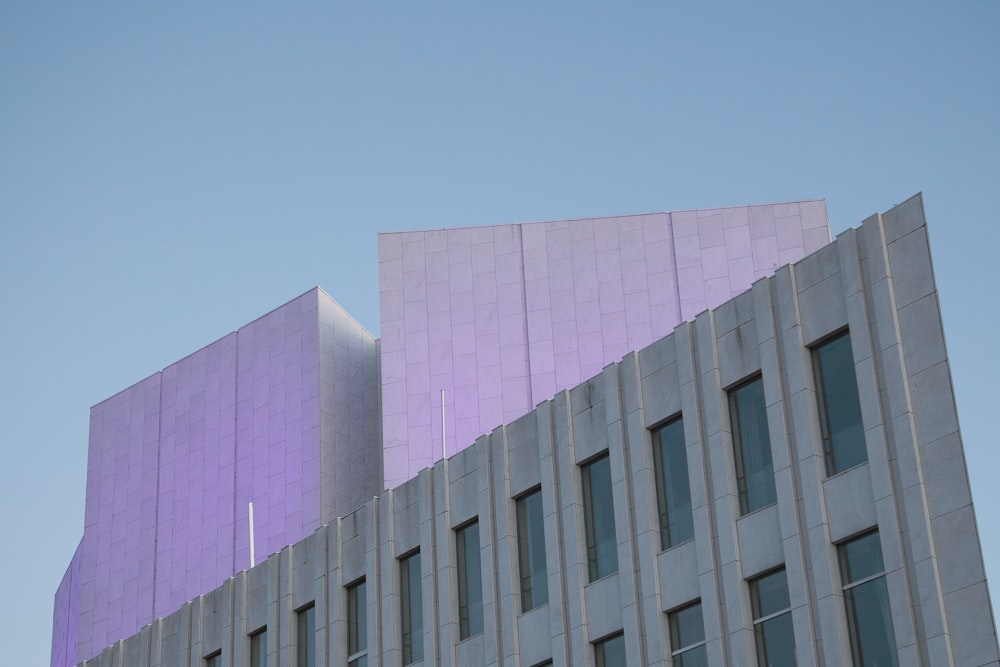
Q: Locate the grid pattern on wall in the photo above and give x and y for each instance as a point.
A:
(502, 317)
(278, 412)
(876, 282)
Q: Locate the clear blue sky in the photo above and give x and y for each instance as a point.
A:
(171, 171)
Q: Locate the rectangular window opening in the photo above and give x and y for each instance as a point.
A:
(357, 625)
(531, 551)
(869, 618)
(839, 405)
(687, 637)
(411, 608)
(752, 446)
(673, 486)
(214, 659)
(258, 648)
(470, 581)
(305, 628)
(610, 652)
(599, 518)
(772, 620)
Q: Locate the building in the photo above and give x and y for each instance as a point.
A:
(780, 466)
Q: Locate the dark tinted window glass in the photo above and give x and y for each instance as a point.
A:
(687, 637)
(305, 625)
(839, 407)
(214, 660)
(610, 652)
(599, 518)
(752, 442)
(258, 648)
(772, 620)
(869, 619)
(531, 551)
(411, 609)
(673, 490)
(357, 624)
(470, 581)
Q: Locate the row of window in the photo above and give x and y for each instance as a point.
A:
(865, 595)
(866, 599)
(843, 447)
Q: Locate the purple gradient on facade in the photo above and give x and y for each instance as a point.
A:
(65, 613)
(503, 317)
(174, 460)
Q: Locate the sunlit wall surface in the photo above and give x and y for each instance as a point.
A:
(503, 317)
(282, 412)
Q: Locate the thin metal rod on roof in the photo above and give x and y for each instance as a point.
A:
(250, 516)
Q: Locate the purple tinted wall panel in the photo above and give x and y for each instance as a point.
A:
(194, 533)
(65, 614)
(280, 412)
(117, 550)
(503, 317)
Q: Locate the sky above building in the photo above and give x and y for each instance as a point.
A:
(170, 172)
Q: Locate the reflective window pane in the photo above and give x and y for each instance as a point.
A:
(673, 489)
(610, 652)
(839, 406)
(357, 623)
(305, 625)
(773, 631)
(687, 637)
(869, 618)
(752, 443)
(258, 648)
(599, 519)
(411, 609)
(531, 551)
(470, 581)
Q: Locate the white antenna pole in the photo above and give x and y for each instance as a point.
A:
(444, 450)
(250, 512)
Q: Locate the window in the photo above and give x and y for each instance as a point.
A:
(839, 406)
(411, 608)
(673, 489)
(305, 627)
(772, 620)
(869, 620)
(214, 660)
(599, 518)
(752, 446)
(470, 581)
(357, 625)
(258, 648)
(531, 551)
(610, 652)
(687, 637)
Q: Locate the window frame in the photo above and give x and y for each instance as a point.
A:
(410, 608)
(740, 448)
(257, 652)
(357, 622)
(599, 647)
(469, 623)
(878, 578)
(822, 402)
(595, 533)
(528, 549)
(662, 463)
(213, 659)
(760, 621)
(677, 651)
(303, 656)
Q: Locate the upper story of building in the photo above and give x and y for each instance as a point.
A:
(306, 414)
(780, 480)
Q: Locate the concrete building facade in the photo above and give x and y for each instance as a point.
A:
(737, 483)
